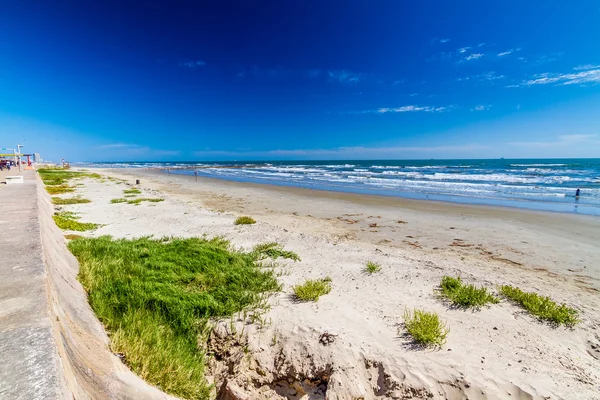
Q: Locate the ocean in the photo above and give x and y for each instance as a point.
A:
(541, 184)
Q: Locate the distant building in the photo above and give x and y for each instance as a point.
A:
(37, 158)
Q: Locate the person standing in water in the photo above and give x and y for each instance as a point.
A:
(577, 192)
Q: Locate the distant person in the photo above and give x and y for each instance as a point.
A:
(577, 193)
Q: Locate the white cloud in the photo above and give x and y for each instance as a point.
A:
(463, 50)
(561, 141)
(444, 40)
(344, 76)
(488, 76)
(586, 67)
(193, 64)
(403, 109)
(481, 107)
(473, 56)
(575, 78)
(504, 53)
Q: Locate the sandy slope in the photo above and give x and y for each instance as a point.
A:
(498, 352)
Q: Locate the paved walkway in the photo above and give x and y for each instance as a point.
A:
(29, 362)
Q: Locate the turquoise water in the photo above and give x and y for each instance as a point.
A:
(543, 184)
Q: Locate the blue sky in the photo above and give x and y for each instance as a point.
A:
(130, 80)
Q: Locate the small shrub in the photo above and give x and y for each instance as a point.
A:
(311, 290)
(68, 221)
(72, 200)
(245, 220)
(372, 267)
(139, 200)
(60, 189)
(463, 295)
(132, 191)
(426, 328)
(273, 250)
(71, 236)
(120, 200)
(541, 306)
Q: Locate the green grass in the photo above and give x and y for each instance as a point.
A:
(72, 236)
(60, 189)
(311, 290)
(121, 200)
(68, 221)
(51, 176)
(372, 267)
(72, 200)
(426, 328)
(132, 191)
(465, 296)
(541, 306)
(273, 250)
(245, 220)
(139, 200)
(156, 296)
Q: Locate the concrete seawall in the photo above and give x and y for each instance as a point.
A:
(56, 347)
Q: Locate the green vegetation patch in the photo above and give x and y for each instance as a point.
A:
(426, 328)
(71, 236)
(121, 200)
(273, 250)
(372, 267)
(132, 191)
(60, 189)
(68, 221)
(72, 200)
(139, 200)
(245, 220)
(466, 296)
(53, 176)
(311, 290)
(155, 297)
(541, 306)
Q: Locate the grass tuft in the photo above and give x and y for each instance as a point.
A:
(245, 220)
(60, 189)
(372, 267)
(115, 201)
(466, 296)
(53, 176)
(132, 191)
(139, 200)
(68, 221)
(426, 328)
(71, 236)
(311, 290)
(156, 297)
(273, 250)
(72, 200)
(541, 306)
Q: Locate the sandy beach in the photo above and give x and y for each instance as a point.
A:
(498, 352)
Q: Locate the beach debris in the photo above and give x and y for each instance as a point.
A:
(373, 225)
(401, 222)
(327, 338)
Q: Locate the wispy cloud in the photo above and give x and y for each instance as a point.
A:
(474, 56)
(463, 50)
(344, 76)
(193, 64)
(561, 141)
(481, 107)
(572, 78)
(586, 67)
(358, 152)
(403, 109)
(487, 76)
(444, 40)
(505, 53)
(438, 40)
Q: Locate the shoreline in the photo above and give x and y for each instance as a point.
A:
(513, 203)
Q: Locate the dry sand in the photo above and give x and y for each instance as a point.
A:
(498, 352)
